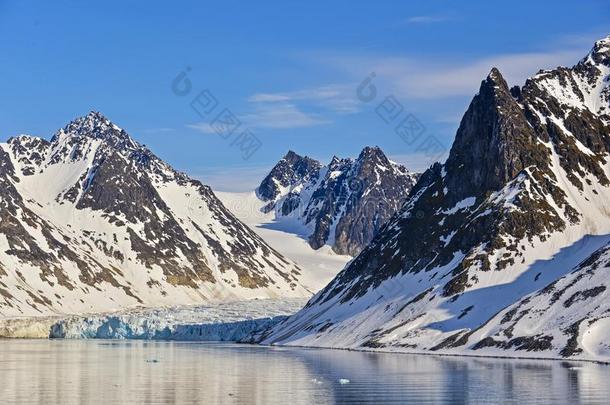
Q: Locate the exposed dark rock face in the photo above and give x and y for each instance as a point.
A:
(292, 169)
(495, 151)
(96, 221)
(344, 203)
(526, 178)
(493, 145)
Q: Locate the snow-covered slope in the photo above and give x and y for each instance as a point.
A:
(93, 221)
(570, 316)
(343, 204)
(288, 236)
(521, 202)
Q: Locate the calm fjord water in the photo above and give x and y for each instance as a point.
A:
(75, 372)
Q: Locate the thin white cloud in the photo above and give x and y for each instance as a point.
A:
(414, 78)
(334, 98)
(464, 79)
(268, 97)
(157, 130)
(317, 93)
(269, 115)
(427, 19)
(281, 115)
(203, 127)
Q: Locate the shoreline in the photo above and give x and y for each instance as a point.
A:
(27, 334)
(441, 354)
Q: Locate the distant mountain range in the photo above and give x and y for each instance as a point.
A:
(503, 249)
(93, 221)
(343, 204)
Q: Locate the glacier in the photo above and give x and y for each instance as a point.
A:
(238, 321)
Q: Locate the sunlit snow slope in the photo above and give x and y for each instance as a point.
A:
(93, 221)
(288, 236)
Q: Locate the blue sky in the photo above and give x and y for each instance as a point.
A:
(289, 71)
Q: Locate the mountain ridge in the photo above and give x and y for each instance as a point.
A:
(342, 204)
(518, 205)
(94, 221)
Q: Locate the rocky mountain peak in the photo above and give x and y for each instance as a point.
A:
(372, 153)
(292, 157)
(495, 78)
(95, 125)
(372, 163)
(344, 203)
(339, 164)
(495, 87)
(291, 169)
(493, 143)
(94, 134)
(601, 51)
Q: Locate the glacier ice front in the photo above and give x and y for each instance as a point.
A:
(235, 322)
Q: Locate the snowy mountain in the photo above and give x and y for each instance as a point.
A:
(321, 265)
(93, 221)
(343, 204)
(500, 250)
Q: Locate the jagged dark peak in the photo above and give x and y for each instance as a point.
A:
(29, 150)
(290, 169)
(373, 153)
(369, 150)
(95, 126)
(345, 203)
(334, 160)
(27, 141)
(601, 52)
(494, 142)
(495, 78)
(292, 156)
(301, 164)
(372, 159)
(94, 133)
(339, 163)
(496, 93)
(495, 86)
(23, 138)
